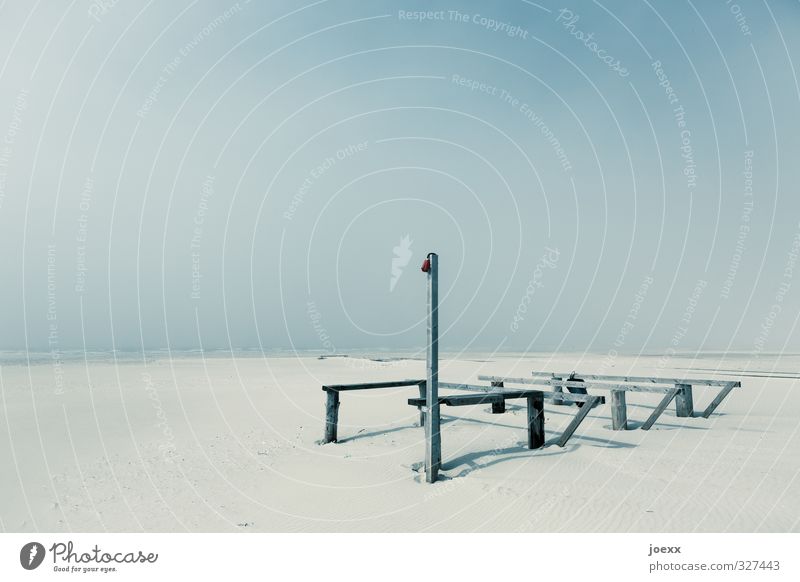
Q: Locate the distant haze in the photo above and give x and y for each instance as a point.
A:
(616, 176)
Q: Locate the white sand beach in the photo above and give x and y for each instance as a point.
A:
(221, 443)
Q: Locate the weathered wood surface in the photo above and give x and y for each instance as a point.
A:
(644, 379)
(513, 393)
(572, 384)
(331, 416)
(460, 400)
(371, 385)
(536, 421)
(500, 406)
(684, 403)
(576, 422)
(719, 398)
(422, 395)
(558, 390)
(619, 410)
(662, 406)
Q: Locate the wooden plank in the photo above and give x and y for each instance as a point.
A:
(651, 379)
(573, 384)
(582, 412)
(469, 399)
(433, 437)
(331, 416)
(487, 397)
(498, 407)
(619, 410)
(512, 393)
(462, 399)
(719, 398)
(370, 385)
(684, 403)
(662, 406)
(536, 421)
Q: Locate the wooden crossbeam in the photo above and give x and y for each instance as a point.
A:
(653, 380)
(570, 384)
(371, 385)
(511, 393)
(462, 400)
(660, 408)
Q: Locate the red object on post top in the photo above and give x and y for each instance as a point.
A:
(426, 265)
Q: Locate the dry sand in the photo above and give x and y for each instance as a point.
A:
(231, 444)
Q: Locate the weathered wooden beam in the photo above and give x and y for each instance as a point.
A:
(684, 403)
(585, 385)
(515, 393)
(651, 379)
(719, 398)
(498, 407)
(331, 416)
(619, 410)
(461, 400)
(370, 385)
(536, 421)
(576, 422)
(662, 406)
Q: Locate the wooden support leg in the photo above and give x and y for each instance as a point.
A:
(619, 410)
(331, 416)
(684, 404)
(662, 406)
(719, 398)
(556, 400)
(582, 412)
(536, 421)
(498, 407)
(422, 408)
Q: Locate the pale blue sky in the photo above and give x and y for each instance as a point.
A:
(489, 137)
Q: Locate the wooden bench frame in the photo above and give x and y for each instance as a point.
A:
(333, 401)
(494, 396)
(677, 389)
(684, 399)
(535, 417)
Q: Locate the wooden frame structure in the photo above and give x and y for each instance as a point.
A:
(333, 401)
(678, 389)
(496, 393)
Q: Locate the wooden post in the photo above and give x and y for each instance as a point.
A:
(558, 401)
(498, 407)
(684, 404)
(619, 410)
(422, 390)
(433, 439)
(331, 416)
(536, 421)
